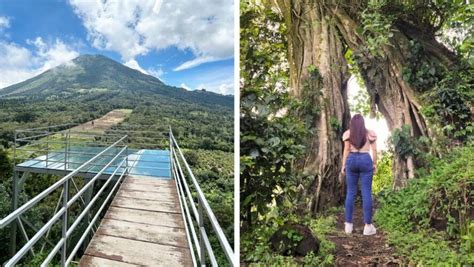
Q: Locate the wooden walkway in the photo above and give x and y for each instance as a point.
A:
(142, 227)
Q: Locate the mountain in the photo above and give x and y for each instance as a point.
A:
(94, 74)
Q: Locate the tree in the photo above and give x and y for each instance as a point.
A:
(381, 35)
(270, 132)
(384, 52)
(318, 77)
(5, 166)
(5, 208)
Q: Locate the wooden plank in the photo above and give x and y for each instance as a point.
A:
(149, 217)
(150, 181)
(131, 186)
(160, 197)
(144, 232)
(143, 226)
(138, 252)
(142, 204)
(90, 261)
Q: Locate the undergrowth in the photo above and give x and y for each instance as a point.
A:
(256, 249)
(430, 221)
(382, 179)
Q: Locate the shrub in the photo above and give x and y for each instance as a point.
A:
(383, 177)
(428, 221)
(256, 250)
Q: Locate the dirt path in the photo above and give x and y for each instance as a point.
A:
(105, 122)
(359, 250)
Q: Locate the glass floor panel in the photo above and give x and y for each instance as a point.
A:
(143, 162)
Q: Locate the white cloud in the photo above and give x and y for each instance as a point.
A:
(157, 6)
(13, 56)
(183, 85)
(135, 27)
(132, 63)
(51, 55)
(216, 79)
(220, 88)
(195, 62)
(15, 64)
(226, 88)
(157, 72)
(19, 63)
(4, 22)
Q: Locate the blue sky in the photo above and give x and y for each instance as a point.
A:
(184, 43)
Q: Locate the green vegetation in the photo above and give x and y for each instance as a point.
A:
(429, 221)
(214, 170)
(382, 179)
(99, 75)
(271, 136)
(193, 126)
(377, 27)
(423, 88)
(256, 251)
(202, 123)
(67, 95)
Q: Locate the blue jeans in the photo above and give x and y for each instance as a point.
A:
(359, 165)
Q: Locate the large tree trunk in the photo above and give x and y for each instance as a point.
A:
(398, 101)
(318, 31)
(318, 76)
(435, 49)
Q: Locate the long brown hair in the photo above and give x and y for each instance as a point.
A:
(358, 133)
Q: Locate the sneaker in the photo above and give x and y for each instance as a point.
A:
(369, 229)
(348, 227)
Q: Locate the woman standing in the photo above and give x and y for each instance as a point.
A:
(357, 163)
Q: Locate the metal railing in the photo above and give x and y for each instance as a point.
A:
(195, 210)
(57, 147)
(62, 214)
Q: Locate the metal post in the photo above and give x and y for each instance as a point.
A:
(14, 207)
(68, 141)
(21, 182)
(55, 211)
(171, 154)
(14, 149)
(68, 144)
(17, 187)
(87, 200)
(47, 150)
(14, 201)
(64, 226)
(126, 160)
(65, 150)
(202, 245)
(25, 235)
